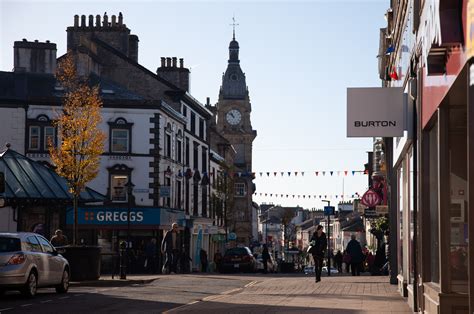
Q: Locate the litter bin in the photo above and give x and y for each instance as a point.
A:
(84, 262)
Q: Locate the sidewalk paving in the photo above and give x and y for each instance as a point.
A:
(341, 294)
(108, 281)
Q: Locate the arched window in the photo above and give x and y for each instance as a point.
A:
(120, 136)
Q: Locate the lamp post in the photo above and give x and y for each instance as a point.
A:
(129, 187)
(329, 239)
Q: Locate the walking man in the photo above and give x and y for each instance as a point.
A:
(171, 246)
(319, 245)
(355, 251)
(265, 258)
(59, 239)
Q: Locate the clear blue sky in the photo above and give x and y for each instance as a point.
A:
(299, 58)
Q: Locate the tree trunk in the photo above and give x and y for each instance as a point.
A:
(74, 228)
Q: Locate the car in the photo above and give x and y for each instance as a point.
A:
(28, 261)
(271, 266)
(238, 259)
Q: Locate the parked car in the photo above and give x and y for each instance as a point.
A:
(271, 265)
(238, 259)
(28, 261)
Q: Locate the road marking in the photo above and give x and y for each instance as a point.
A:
(231, 291)
(6, 309)
(180, 307)
(251, 284)
(62, 298)
(46, 301)
(25, 305)
(213, 298)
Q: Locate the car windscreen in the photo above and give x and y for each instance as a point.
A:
(8, 244)
(236, 251)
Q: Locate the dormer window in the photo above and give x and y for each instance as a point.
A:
(120, 141)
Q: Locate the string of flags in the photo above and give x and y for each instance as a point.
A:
(309, 196)
(317, 173)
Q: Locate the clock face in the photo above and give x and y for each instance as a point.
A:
(233, 117)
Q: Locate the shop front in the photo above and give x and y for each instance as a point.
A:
(107, 227)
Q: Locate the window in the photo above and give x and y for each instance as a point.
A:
(9, 244)
(168, 145)
(195, 155)
(433, 203)
(201, 128)
(49, 137)
(187, 152)
(118, 189)
(240, 189)
(33, 244)
(204, 159)
(34, 138)
(204, 201)
(167, 200)
(196, 199)
(185, 111)
(186, 197)
(120, 136)
(120, 140)
(178, 194)
(47, 248)
(193, 123)
(179, 151)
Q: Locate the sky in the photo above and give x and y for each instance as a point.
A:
(299, 57)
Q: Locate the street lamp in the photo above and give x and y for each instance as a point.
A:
(329, 238)
(123, 272)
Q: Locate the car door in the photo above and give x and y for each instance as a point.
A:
(36, 255)
(51, 262)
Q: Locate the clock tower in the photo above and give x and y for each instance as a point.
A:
(233, 123)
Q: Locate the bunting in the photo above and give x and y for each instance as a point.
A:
(320, 196)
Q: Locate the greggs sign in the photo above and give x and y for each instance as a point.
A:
(115, 216)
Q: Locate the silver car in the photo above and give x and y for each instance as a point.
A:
(28, 262)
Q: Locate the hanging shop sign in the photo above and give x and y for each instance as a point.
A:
(370, 199)
(375, 112)
(381, 209)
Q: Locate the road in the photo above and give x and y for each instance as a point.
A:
(240, 293)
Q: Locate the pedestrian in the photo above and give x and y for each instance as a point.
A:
(171, 246)
(59, 239)
(150, 256)
(203, 257)
(265, 258)
(355, 251)
(338, 261)
(346, 258)
(318, 248)
(218, 260)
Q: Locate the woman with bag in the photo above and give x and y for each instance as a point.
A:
(318, 248)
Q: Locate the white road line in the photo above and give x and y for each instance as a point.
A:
(176, 309)
(46, 301)
(251, 284)
(25, 305)
(62, 298)
(231, 291)
(6, 309)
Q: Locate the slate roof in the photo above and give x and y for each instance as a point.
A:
(29, 179)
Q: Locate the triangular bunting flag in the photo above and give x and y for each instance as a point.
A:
(324, 173)
(345, 172)
(289, 174)
(268, 174)
(282, 174)
(353, 172)
(296, 173)
(331, 172)
(302, 174)
(261, 173)
(316, 173)
(275, 174)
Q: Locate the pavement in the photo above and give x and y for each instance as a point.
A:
(217, 293)
(115, 281)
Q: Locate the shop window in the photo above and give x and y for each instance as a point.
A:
(120, 136)
(240, 189)
(433, 203)
(401, 203)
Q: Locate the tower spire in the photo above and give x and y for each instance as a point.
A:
(233, 26)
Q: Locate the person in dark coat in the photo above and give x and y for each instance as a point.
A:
(319, 244)
(265, 258)
(203, 257)
(218, 260)
(355, 251)
(338, 261)
(171, 246)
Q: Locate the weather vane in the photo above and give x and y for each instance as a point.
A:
(234, 25)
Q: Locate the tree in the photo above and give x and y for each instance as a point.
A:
(286, 216)
(379, 228)
(81, 142)
(225, 195)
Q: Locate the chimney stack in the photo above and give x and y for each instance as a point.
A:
(34, 57)
(132, 46)
(170, 71)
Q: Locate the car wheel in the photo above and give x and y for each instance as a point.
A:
(31, 285)
(63, 287)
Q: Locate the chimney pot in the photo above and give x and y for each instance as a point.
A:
(97, 21)
(24, 40)
(181, 62)
(114, 21)
(175, 62)
(91, 21)
(208, 101)
(168, 62)
(105, 22)
(36, 40)
(163, 62)
(47, 41)
(76, 20)
(120, 19)
(83, 21)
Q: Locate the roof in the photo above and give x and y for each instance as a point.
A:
(27, 179)
(355, 225)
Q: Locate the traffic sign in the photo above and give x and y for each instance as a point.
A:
(232, 236)
(329, 210)
(370, 198)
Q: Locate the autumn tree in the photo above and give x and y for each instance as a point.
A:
(81, 141)
(287, 216)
